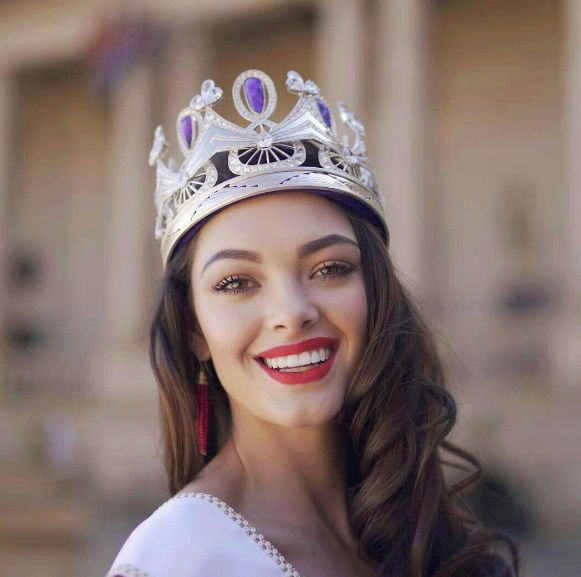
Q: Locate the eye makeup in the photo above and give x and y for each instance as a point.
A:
(234, 284)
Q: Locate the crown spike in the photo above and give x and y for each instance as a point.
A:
(159, 147)
(209, 95)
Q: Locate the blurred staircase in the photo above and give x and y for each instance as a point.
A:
(43, 525)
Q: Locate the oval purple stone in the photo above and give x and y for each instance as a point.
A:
(254, 92)
(324, 110)
(187, 129)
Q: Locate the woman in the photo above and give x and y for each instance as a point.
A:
(303, 403)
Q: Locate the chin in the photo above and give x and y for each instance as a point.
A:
(310, 416)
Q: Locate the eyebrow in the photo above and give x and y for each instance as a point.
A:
(303, 251)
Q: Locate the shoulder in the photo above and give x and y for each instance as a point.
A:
(182, 537)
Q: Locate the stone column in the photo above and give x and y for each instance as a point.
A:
(397, 128)
(123, 368)
(129, 193)
(7, 95)
(567, 342)
(340, 53)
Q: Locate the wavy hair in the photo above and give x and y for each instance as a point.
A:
(397, 414)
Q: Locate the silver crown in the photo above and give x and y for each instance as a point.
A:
(302, 152)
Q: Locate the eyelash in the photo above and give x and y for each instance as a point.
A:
(220, 288)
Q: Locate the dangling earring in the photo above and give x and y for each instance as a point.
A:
(202, 418)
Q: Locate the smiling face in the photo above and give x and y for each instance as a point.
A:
(274, 271)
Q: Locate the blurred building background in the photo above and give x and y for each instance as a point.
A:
(473, 109)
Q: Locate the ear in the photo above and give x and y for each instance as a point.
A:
(197, 342)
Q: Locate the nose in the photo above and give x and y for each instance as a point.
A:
(291, 307)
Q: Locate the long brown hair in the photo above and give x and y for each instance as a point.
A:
(397, 414)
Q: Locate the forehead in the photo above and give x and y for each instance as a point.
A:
(284, 217)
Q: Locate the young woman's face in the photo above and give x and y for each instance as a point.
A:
(278, 271)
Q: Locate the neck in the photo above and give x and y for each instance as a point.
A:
(293, 473)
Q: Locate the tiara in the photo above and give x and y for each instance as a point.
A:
(225, 163)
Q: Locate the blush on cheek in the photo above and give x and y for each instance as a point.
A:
(358, 310)
(357, 299)
(229, 337)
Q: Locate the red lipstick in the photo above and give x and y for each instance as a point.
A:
(299, 377)
(298, 348)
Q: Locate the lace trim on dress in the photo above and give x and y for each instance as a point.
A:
(126, 571)
(268, 548)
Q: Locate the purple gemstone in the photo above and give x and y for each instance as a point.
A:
(254, 92)
(186, 128)
(324, 110)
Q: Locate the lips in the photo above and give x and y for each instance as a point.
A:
(299, 377)
(297, 348)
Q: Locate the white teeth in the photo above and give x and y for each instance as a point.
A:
(303, 359)
(293, 361)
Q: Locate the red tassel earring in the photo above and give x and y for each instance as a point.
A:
(202, 419)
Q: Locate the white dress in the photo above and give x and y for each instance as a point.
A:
(198, 535)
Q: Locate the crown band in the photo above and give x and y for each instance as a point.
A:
(225, 163)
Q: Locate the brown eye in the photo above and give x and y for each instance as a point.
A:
(233, 285)
(333, 269)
